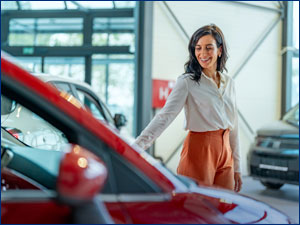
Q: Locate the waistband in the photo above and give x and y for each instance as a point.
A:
(212, 133)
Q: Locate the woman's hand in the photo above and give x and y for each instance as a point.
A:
(237, 182)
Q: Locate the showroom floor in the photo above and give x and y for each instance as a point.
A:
(286, 199)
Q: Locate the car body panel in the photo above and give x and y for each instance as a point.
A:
(182, 208)
(239, 208)
(39, 200)
(34, 212)
(278, 128)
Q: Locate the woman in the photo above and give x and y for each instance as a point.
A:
(211, 149)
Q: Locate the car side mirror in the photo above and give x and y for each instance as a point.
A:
(81, 175)
(120, 120)
(7, 105)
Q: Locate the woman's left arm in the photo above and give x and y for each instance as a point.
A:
(235, 146)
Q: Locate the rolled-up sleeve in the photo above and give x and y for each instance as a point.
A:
(166, 115)
(234, 137)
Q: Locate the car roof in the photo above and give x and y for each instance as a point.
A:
(51, 78)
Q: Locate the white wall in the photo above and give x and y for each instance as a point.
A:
(259, 82)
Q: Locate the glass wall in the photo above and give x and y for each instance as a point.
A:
(45, 32)
(114, 32)
(32, 64)
(113, 81)
(71, 67)
(91, 41)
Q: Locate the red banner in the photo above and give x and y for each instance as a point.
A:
(160, 91)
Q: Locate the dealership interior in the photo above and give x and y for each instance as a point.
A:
(128, 55)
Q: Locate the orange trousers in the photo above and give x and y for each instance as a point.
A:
(207, 157)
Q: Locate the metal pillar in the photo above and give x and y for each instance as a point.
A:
(87, 41)
(143, 65)
(287, 42)
(4, 30)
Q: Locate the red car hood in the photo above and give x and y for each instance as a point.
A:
(240, 209)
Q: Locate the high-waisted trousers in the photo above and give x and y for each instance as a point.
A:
(207, 158)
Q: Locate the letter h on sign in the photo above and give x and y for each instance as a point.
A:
(161, 91)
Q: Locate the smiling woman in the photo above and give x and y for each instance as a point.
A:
(213, 56)
(210, 152)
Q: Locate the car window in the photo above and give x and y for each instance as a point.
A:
(90, 104)
(292, 116)
(129, 180)
(99, 111)
(63, 87)
(35, 146)
(107, 114)
(31, 129)
(38, 160)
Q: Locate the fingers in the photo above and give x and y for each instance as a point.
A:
(238, 183)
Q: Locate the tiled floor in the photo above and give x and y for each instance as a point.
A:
(286, 199)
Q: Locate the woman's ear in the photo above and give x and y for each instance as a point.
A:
(220, 51)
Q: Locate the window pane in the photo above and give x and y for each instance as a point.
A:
(8, 5)
(114, 24)
(65, 66)
(36, 5)
(296, 24)
(99, 39)
(59, 25)
(98, 79)
(95, 4)
(46, 32)
(295, 82)
(122, 23)
(121, 91)
(32, 64)
(59, 39)
(121, 56)
(63, 87)
(125, 4)
(90, 104)
(20, 39)
(121, 39)
(31, 129)
(117, 92)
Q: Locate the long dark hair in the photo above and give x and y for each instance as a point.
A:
(192, 65)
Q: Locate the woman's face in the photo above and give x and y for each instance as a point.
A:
(207, 52)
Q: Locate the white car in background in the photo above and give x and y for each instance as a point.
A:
(40, 134)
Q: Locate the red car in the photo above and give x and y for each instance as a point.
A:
(40, 185)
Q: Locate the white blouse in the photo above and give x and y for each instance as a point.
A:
(207, 108)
